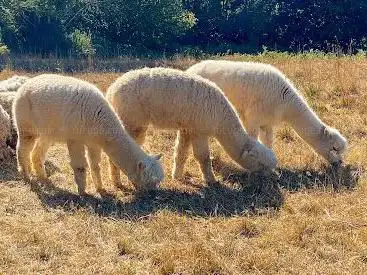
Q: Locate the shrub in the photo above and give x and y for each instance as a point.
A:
(82, 43)
(4, 50)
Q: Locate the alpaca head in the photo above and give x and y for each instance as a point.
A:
(258, 157)
(149, 173)
(331, 144)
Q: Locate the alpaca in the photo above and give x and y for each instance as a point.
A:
(52, 108)
(196, 107)
(12, 84)
(6, 100)
(5, 123)
(264, 97)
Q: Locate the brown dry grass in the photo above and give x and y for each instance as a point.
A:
(306, 219)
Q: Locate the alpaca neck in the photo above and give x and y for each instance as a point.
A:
(125, 153)
(304, 121)
(234, 141)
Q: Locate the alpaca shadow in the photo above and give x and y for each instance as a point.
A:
(238, 194)
(9, 169)
(212, 199)
(338, 178)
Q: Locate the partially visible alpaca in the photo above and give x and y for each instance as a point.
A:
(6, 100)
(53, 108)
(264, 97)
(5, 123)
(196, 107)
(12, 84)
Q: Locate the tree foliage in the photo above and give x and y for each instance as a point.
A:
(107, 27)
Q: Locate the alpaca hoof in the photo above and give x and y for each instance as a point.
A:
(41, 176)
(177, 175)
(81, 192)
(210, 179)
(24, 175)
(26, 178)
(102, 191)
(118, 185)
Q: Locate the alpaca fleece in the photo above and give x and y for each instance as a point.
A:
(52, 108)
(196, 107)
(264, 97)
(5, 123)
(12, 84)
(6, 100)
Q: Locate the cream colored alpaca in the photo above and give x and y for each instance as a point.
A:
(53, 108)
(172, 99)
(12, 84)
(264, 97)
(5, 125)
(6, 100)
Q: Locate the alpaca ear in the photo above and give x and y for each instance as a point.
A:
(141, 166)
(159, 156)
(246, 153)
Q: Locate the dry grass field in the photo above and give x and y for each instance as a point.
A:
(304, 219)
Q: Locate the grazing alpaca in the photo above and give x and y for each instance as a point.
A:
(196, 107)
(264, 97)
(53, 108)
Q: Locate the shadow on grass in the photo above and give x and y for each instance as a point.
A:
(209, 200)
(337, 178)
(237, 194)
(8, 170)
(246, 194)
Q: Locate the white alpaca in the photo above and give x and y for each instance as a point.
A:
(53, 108)
(6, 100)
(5, 125)
(264, 97)
(172, 99)
(12, 84)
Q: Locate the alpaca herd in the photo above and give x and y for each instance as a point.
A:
(233, 102)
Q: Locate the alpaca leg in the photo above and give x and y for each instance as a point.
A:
(39, 156)
(114, 174)
(266, 136)
(181, 152)
(94, 159)
(24, 148)
(79, 163)
(202, 154)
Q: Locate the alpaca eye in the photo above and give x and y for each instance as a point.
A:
(335, 149)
